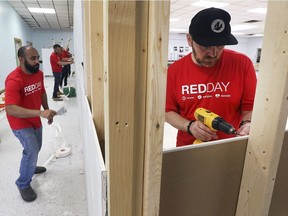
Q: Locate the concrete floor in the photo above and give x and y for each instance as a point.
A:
(61, 190)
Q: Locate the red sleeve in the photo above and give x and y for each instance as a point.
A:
(43, 89)
(12, 92)
(54, 59)
(249, 88)
(171, 102)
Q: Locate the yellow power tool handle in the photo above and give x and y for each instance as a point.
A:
(205, 116)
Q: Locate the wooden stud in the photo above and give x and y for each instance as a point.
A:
(135, 61)
(87, 49)
(119, 87)
(97, 70)
(269, 116)
(159, 12)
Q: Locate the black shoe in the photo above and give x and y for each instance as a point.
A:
(28, 194)
(57, 99)
(39, 170)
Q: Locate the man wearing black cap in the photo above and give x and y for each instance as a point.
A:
(210, 77)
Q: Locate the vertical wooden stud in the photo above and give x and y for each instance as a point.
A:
(135, 59)
(87, 49)
(158, 35)
(97, 69)
(269, 116)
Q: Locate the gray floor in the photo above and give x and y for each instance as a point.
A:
(61, 190)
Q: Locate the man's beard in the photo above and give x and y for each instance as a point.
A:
(32, 69)
(202, 61)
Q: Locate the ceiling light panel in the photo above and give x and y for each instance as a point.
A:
(242, 27)
(208, 4)
(42, 10)
(258, 10)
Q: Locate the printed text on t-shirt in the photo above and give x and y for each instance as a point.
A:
(205, 87)
(32, 88)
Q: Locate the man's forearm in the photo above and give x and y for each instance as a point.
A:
(20, 112)
(176, 120)
(246, 115)
(45, 101)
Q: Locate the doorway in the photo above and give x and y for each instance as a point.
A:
(18, 44)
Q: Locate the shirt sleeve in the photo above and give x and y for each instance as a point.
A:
(171, 101)
(54, 59)
(249, 88)
(12, 92)
(43, 84)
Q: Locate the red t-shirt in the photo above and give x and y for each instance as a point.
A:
(65, 54)
(54, 58)
(226, 89)
(25, 91)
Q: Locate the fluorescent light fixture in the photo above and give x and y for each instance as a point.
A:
(237, 33)
(174, 19)
(242, 27)
(259, 10)
(258, 35)
(208, 4)
(42, 10)
(178, 30)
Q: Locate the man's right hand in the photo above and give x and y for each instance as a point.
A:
(49, 114)
(202, 132)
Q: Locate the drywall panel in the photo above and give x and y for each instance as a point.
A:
(202, 179)
(205, 179)
(95, 170)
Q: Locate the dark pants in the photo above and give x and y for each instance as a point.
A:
(65, 73)
(57, 80)
(69, 69)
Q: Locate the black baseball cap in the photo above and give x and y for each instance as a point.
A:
(211, 27)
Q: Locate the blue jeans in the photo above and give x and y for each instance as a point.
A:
(57, 81)
(31, 140)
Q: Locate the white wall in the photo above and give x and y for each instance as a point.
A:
(246, 45)
(95, 171)
(11, 26)
(47, 38)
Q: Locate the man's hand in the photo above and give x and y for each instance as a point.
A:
(244, 129)
(49, 114)
(202, 132)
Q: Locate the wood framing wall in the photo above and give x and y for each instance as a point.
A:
(269, 116)
(95, 66)
(136, 41)
(127, 86)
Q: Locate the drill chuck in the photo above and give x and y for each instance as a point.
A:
(221, 125)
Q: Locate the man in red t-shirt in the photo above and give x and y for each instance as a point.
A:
(56, 65)
(65, 56)
(211, 77)
(24, 96)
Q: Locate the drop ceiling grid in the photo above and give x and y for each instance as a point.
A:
(62, 19)
(184, 11)
(181, 9)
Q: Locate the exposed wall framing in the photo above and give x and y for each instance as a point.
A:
(269, 116)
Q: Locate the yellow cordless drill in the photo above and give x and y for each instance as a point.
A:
(213, 121)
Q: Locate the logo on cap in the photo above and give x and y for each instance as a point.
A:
(218, 26)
